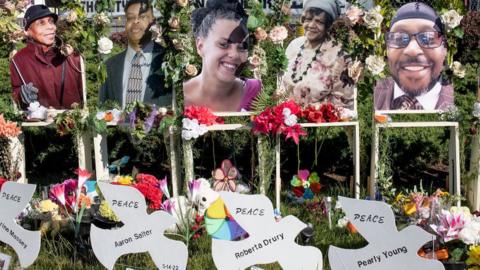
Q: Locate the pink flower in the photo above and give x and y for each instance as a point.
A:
(57, 193)
(83, 176)
(354, 14)
(168, 206)
(278, 34)
(194, 187)
(450, 225)
(164, 187)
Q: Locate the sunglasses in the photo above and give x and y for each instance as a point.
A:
(427, 40)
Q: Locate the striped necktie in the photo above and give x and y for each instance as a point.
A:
(134, 86)
(406, 103)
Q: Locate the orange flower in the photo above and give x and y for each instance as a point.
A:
(108, 117)
(85, 201)
(8, 129)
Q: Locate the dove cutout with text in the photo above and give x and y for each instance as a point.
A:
(141, 232)
(387, 247)
(269, 241)
(14, 197)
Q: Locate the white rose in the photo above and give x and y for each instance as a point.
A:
(458, 69)
(342, 223)
(72, 16)
(375, 64)
(470, 233)
(105, 45)
(451, 19)
(162, 110)
(355, 71)
(373, 19)
(101, 19)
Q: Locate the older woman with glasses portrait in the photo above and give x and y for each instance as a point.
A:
(416, 50)
(317, 65)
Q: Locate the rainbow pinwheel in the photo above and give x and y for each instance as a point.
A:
(225, 177)
(306, 185)
(220, 224)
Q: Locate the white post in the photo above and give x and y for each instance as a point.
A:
(374, 161)
(17, 154)
(101, 157)
(278, 179)
(455, 161)
(356, 160)
(84, 151)
(174, 161)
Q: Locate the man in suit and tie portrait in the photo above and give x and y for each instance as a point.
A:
(416, 51)
(136, 74)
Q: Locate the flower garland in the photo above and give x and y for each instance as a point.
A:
(196, 120)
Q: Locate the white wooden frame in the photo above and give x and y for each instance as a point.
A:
(17, 145)
(355, 152)
(278, 180)
(101, 158)
(454, 152)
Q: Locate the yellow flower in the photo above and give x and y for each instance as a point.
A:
(410, 209)
(47, 206)
(473, 256)
(125, 180)
(107, 212)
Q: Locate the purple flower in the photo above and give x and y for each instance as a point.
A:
(168, 206)
(194, 187)
(150, 120)
(132, 118)
(163, 186)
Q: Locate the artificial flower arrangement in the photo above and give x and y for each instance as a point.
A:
(68, 204)
(142, 118)
(457, 230)
(195, 121)
(305, 185)
(8, 130)
(285, 117)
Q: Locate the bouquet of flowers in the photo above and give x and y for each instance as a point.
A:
(195, 121)
(280, 119)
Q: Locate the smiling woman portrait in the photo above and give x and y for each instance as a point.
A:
(222, 42)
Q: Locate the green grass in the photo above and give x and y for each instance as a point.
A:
(58, 253)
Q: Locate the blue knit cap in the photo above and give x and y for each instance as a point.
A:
(418, 10)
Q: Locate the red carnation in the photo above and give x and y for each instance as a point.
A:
(203, 115)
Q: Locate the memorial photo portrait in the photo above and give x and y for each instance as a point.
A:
(416, 51)
(136, 73)
(221, 38)
(318, 68)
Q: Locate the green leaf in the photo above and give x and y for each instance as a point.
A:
(253, 22)
(458, 32)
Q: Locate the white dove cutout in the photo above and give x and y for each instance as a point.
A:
(269, 241)
(141, 232)
(14, 197)
(387, 247)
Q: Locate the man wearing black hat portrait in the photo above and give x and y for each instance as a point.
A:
(40, 72)
(136, 74)
(416, 51)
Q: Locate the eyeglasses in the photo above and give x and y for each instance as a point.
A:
(427, 40)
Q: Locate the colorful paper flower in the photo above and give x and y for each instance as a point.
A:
(306, 185)
(57, 193)
(225, 177)
(194, 187)
(164, 187)
(450, 225)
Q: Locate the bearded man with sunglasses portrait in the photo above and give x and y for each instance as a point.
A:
(416, 50)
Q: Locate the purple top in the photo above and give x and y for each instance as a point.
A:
(252, 88)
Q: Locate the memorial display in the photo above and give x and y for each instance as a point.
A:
(238, 134)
